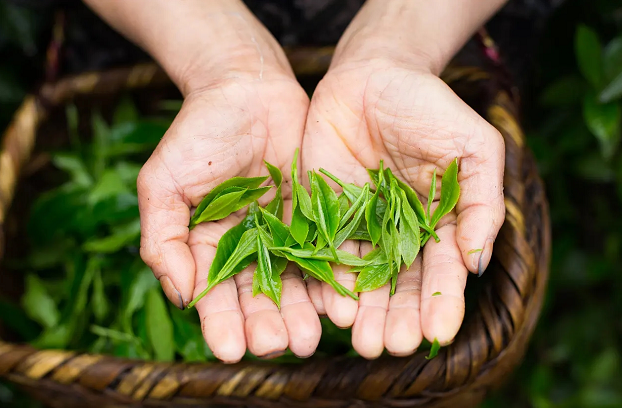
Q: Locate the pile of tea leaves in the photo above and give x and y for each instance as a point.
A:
(389, 215)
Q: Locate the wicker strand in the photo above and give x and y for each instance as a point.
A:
(490, 344)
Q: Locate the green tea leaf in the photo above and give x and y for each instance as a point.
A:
(279, 230)
(436, 294)
(373, 225)
(349, 229)
(159, 326)
(304, 202)
(372, 277)
(359, 234)
(589, 55)
(241, 182)
(351, 210)
(472, 251)
(325, 207)
(431, 195)
(301, 203)
(246, 247)
(344, 257)
(450, 192)
(321, 271)
(225, 249)
(409, 232)
(228, 202)
(351, 191)
(299, 228)
(38, 304)
(344, 206)
(270, 285)
(276, 205)
(434, 350)
(220, 207)
(413, 200)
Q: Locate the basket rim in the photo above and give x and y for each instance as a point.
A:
(444, 376)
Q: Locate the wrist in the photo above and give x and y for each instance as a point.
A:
(197, 42)
(421, 33)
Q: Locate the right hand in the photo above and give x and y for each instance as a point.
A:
(224, 130)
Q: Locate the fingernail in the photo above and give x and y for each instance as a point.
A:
(308, 356)
(485, 257)
(403, 353)
(171, 292)
(274, 354)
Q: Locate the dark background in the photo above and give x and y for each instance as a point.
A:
(574, 357)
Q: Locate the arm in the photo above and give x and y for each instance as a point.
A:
(414, 31)
(196, 41)
(382, 99)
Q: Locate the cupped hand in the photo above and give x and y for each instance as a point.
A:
(224, 130)
(371, 110)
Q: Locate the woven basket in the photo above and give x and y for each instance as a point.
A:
(491, 342)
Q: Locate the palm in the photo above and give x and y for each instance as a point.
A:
(414, 123)
(221, 133)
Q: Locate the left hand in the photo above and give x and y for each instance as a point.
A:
(365, 110)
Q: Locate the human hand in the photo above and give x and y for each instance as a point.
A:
(398, 111)
(242, 105)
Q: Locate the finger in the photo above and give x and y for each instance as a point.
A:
(442, 291)
(266, 334)
(402, 334)
(341, 309)
(219, 311)
(164, 231)
(481, 208)
(299, 314)
(369, 325)
(314, 288)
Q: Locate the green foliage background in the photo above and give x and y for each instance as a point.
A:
(573, 123)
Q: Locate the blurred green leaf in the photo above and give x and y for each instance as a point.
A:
(120, 237)
(38, 304)
(99, 299)
(612, 91)
(589, 55)
(159, 326)
(15, 319)
(73, 165)
(101, 142)
(568, 90)
(125, 112)
(108, 185)
(135, 291)
(189, 341)
(19, 24)
(603, 120)
(612, 58)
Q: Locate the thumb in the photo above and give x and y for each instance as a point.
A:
(481, 208)
(164, 220)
